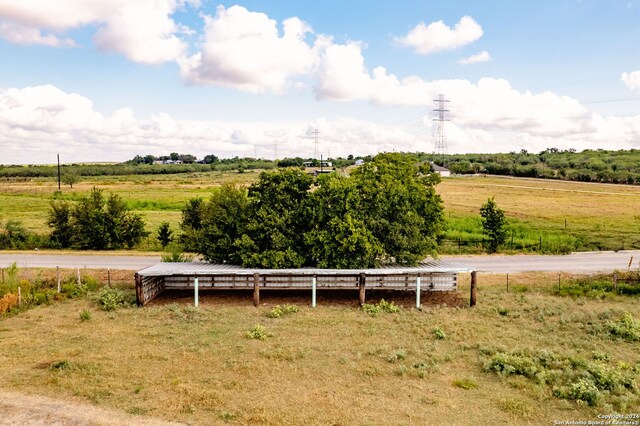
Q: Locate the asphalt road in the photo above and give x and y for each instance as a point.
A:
(586, 262)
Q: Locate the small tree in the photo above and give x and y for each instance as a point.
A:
(70, 179)
(165, 234)
(493, 224)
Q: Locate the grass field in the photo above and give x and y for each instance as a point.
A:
(334, 364)
(569, 216)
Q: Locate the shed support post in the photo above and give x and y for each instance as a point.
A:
(256, 289)
(139, 293)
(361, 289)
(195, 292)
(472, 298)
(313, 291)
(418, 290)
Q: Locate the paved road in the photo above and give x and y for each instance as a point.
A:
(576, 262)
(585, 262)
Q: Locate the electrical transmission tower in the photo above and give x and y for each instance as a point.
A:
(440, 143)
(316, 144)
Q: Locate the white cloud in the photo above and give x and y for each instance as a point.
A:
(477, 58)
(38, 122)
(437, 36)
(631, 80)
(490, 104)
(244, 50)
(142, 30)
(19, 34)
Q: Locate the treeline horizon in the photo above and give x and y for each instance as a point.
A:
(606, 166)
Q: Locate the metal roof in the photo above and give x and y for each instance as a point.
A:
(202, 268)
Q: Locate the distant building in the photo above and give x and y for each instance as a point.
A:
(359, 162)
(444, 172)
(321, 164)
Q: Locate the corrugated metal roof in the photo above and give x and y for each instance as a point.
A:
(202, 268)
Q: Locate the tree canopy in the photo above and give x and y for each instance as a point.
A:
(95, 222)
(385, 211)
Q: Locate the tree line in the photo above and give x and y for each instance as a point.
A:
(621, 166)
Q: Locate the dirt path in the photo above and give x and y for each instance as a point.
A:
(21, 409)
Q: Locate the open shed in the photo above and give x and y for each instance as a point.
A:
(433, 275)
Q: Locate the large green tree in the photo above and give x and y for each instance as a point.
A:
(400, 205)
(95, 222)
(386, 211)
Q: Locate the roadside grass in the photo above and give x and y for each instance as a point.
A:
(334, 364)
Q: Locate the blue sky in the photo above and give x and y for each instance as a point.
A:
(104, 81)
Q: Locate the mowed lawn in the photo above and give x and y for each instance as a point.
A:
(578, 215)
(334, 364)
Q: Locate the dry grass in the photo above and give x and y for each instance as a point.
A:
(330, 365)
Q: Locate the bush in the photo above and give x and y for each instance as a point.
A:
(258, 332)
(7, 302)
(279, 311)
(626, 328)
(382, 306)
(111, 299)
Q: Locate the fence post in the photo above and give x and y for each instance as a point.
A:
(2, 275)
(540, 243)
(615, 282)
(472, 298)
(507, 282)
(78, 276)
(19, 296)
(559, 276)
(58, 277)
(109, 277)
(512, 241)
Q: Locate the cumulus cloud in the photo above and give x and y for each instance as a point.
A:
(245, 50)
(631, 80)
(477, 58)
(38, 122)
(143, 31)
(438, 36)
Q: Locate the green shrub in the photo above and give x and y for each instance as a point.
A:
(111, 299)
(570, 378)
(258, 332)
(626, 328)
(398, 355)
(439, 333)
(279, 311)
(382, 306)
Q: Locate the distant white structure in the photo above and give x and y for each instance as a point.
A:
(444, 172)
(321, 164)
(359, 162)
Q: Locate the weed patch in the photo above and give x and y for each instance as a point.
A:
(380, 307)
(280, 311)
(111, 299)
(570, 378)
(625, 328)
(258, 332)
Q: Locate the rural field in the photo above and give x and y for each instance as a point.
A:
(518, 357)
(565, 216)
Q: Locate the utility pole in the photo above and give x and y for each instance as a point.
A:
(440, 143)
(58, 172)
